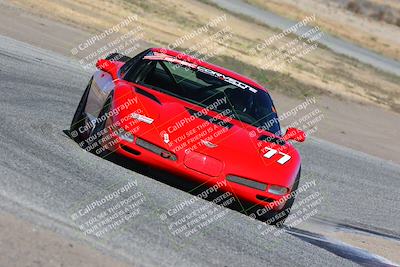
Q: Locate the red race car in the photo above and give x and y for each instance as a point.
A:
(201, 121)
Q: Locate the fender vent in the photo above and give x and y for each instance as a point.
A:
(147, 94)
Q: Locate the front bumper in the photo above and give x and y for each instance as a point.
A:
(242, 188)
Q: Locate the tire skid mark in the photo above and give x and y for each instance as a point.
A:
(340, 248)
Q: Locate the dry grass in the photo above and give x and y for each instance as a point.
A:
(379, 10)
(338, 20)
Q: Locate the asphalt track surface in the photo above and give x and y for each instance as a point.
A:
(45, 176)
(336, 44)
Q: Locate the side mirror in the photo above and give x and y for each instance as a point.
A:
(107, 66)
(294, 134)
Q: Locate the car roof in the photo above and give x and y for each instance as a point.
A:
(190, 59)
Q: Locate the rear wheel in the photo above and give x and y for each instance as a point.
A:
(98, 132)
(79, 118)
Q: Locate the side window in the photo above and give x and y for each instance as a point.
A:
(129, 67)
(138, 71)
(144, 72)
(159, 78)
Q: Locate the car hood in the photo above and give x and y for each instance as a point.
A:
(185, 129)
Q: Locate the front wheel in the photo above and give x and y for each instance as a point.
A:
(278, 218)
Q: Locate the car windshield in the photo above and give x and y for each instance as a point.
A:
(208, 88)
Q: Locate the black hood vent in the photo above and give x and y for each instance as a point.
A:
(272, 139)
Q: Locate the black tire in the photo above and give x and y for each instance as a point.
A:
(79, 118)
(278, 218)
(96, 136)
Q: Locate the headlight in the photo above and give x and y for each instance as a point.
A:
(277, 190)
(124, 135)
